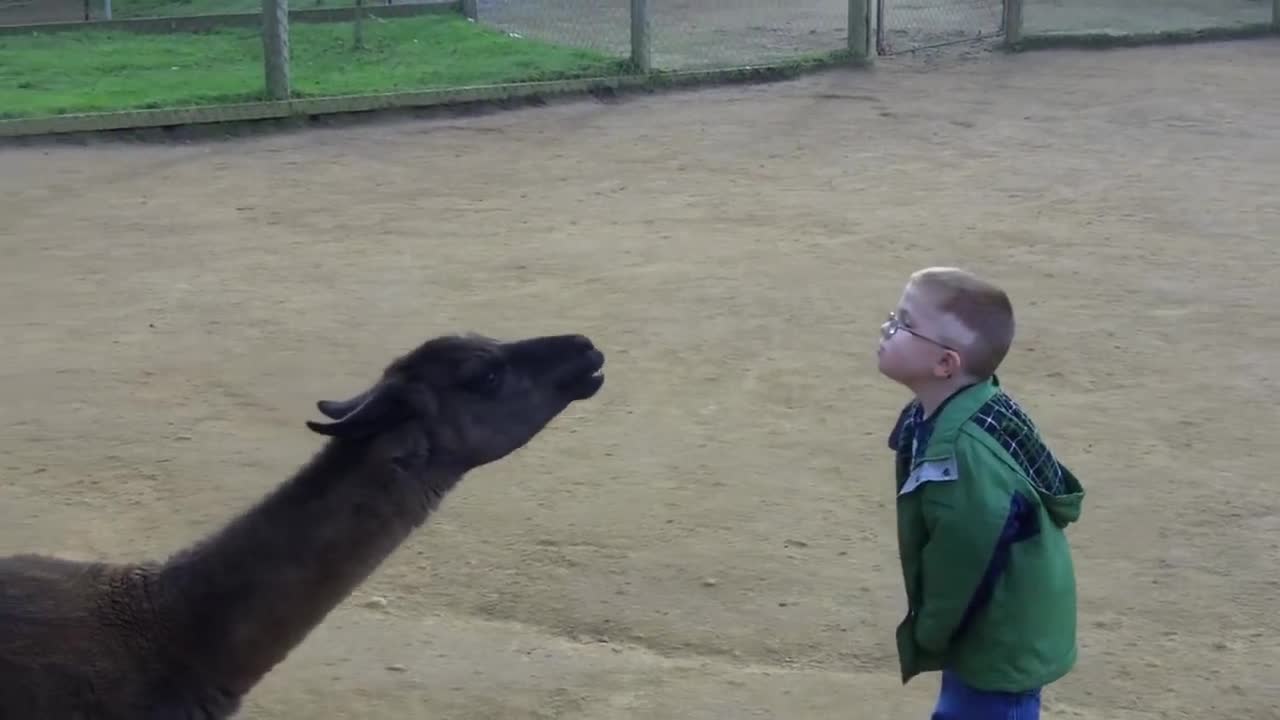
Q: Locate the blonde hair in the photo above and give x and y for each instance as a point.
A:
(980, 306)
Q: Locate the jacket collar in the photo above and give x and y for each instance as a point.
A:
(958, 408)
(912, 427)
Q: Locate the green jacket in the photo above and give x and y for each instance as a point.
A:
(982, 508)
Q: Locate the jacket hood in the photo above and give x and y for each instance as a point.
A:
(986, 409)
(1065, 506)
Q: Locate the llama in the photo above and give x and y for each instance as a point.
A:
(190, 637)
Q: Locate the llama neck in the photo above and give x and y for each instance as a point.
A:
(246, 596)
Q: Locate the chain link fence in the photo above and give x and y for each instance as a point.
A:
(698, 34)
(906, 25)
(600, 25)
(229, 52)
(1140, 17)
(683, 34)
(26, 12)
(167, 54)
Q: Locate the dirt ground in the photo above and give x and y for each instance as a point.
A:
(712, 537)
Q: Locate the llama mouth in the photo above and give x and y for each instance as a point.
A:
(583, 379)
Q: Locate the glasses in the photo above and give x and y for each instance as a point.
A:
(892, 325)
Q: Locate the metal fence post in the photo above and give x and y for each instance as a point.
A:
(641, 56)
(860, 30)
(1012, 22)
(275, 47)
(357, 27)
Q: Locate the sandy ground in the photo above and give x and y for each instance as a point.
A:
(713, 536)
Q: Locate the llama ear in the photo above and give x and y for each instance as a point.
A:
(338, 409)
(366, 414)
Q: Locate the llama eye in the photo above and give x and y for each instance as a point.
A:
(484, 383)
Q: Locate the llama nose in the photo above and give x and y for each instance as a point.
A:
(574, 343)
(549, 352)
(580, 342)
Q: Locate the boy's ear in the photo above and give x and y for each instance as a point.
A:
(949, 365)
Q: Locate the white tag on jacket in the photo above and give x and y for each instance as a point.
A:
(944, 470)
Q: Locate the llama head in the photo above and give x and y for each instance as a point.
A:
(464, 401)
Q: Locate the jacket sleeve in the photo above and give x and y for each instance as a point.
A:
(966, 519)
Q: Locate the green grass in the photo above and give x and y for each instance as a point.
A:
(90, 71)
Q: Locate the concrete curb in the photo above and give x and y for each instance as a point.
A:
(1102, 40)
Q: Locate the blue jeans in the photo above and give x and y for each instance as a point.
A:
(957, 701)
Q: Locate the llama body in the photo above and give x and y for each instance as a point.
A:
(191, 636)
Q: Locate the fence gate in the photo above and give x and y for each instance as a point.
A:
(906, 25)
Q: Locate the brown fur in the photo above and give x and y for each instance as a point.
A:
(189, 637)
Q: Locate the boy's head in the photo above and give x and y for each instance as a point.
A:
(950, 327)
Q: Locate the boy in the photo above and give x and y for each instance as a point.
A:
(982, 508)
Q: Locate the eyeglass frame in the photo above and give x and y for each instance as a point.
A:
(892, 325)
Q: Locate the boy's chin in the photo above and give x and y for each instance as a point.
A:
(890, 372)
(905, 379)
(881, 367)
